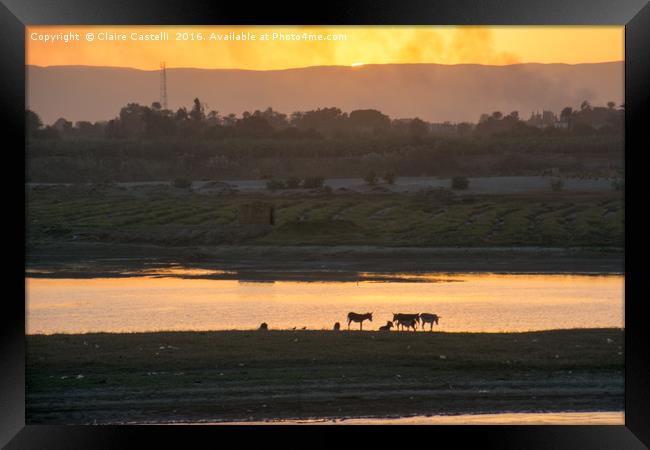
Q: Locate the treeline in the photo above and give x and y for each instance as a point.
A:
(151, 143)
(586, 120)
(154, 123)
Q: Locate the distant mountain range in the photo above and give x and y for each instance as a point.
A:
(433, 92)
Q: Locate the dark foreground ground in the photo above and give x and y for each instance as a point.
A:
(251, 375)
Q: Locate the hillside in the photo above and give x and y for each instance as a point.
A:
(433, 92)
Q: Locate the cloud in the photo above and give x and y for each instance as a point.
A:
(476, 44)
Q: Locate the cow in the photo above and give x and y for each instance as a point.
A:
(408, 323)
(430, 319)
(399, 316)
(354, 317)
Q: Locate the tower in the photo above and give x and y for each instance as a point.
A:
(163, 85)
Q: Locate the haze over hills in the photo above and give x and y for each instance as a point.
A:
(433, 92)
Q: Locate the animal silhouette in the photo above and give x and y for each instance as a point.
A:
(399, 316)
(430, 319)
(354, 317)
(408, 323)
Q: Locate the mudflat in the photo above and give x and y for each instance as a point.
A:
(254, 375)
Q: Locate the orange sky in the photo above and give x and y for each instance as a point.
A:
(361, 45)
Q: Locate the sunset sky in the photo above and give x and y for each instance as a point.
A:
(362, 45)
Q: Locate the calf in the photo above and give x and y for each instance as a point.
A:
(386, 327)
(408, 323)
(399, 316)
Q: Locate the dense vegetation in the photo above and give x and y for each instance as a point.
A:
(150, 143)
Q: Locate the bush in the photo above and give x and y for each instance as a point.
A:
(292, 183)
(274, 184)
(182, 183)
(618, 184)
(313, 182)
(371, 178)
(557, 184)
(459, 183)
(390, 178)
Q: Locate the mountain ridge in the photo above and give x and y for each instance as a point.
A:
(433, 92)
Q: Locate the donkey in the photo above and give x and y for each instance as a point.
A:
(386, 327)
(354, 317)
(399, 316)
(430, 319)
(408, 323)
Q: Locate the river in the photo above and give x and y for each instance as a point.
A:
(465, 302)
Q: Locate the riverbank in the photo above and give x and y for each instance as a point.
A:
(252, 375)
(341, 263)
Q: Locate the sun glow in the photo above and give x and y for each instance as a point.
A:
(190, 46)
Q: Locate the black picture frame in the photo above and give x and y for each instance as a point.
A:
(16, 14)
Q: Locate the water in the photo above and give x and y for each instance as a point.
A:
(465, 302)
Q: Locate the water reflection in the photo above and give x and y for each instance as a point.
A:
(481, 302)
(561, 418)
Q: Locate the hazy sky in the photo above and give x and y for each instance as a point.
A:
(361, 45)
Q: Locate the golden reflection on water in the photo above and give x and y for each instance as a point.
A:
(477, 302)
(182, 271)
(562, 418)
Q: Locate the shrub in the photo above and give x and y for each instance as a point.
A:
(371, 178)
(618, 184)
(292, 183)
(313, 182)
(182, 183)
(274, 184)
(459, 183)
(390, 178)
(557, 184)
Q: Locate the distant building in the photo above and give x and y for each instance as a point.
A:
(543, 120)
(441, 128)
(256, 213)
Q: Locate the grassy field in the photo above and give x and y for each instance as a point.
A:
(252, 375)
(177, 217)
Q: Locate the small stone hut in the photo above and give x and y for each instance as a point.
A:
(256, 213)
